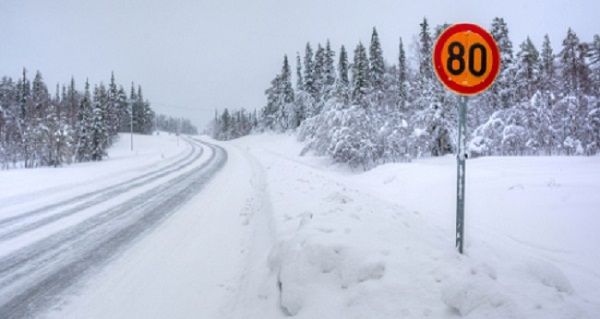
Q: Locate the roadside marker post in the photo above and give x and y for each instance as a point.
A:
(466, 60)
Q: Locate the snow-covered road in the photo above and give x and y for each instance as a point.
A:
(66, 235)
(274, 235)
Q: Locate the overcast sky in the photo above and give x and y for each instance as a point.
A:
(194, 56)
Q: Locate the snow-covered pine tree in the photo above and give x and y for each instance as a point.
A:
(425, 51)
(125, 109)
(225, 126)
(63, 132)
(380, 103)
(286, 100)
(306, 98)
(42, 123)
(143, 116)
(527, 81)
(113, 108)
(574, 69)
(100, 130)
(360, 75)
(319, 72)
(572, 108)
(299, 79)
(540, 125)
(319, 81)
(423, 92)
(147, 114)
(343, 81)
(527, 71)
(85, 126)
(376, 63)
(547, 68)
(402, 78)
(270, 111)
(303, 100)
(24, 122)
(309, 71)
(432, 120)
(280, 111)
(502, 91)
(71, 102)
(329, 75)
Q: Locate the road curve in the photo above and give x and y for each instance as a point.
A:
(33, 277)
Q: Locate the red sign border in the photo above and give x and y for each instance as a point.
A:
(438, 65)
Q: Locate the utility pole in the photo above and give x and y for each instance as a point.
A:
(131, 125)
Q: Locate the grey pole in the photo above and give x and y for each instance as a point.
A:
(461, 172)
(131, 125)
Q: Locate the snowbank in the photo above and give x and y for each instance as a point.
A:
(380, 244)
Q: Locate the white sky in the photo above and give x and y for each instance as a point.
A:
(192, 56)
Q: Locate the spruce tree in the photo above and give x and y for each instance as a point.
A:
(113, 108)
(299, 79)
(360, 75)
(100, 135)
(39, 128)
(84, 127)
(499, 32)
(425, 51)
(270, 112)
(286, 109)
(319, 74)
(547, 67)
(73, 99)
(402, 77)
(574, 69)
(377, 68)
(302, 100)
(343, 82)
(502, 91)
(527, 70)
(328, 72)
(309, 67)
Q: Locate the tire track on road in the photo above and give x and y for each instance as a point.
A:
(8, 230)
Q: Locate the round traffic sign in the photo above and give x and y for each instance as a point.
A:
(466, 59)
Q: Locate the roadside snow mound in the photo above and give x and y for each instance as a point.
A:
(347, 247)
(477, 294)
(307, 262)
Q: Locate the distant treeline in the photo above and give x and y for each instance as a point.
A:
(367, 111)
(175, 125)
(40, 129)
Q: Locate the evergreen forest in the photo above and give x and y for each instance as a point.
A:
(365, 111)
(39, 129)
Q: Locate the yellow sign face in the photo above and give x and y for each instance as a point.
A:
(466, 59)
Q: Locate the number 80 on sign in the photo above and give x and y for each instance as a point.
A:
(466, 59)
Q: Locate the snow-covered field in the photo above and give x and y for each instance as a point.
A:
(274, 235)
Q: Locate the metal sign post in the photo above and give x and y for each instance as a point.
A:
(461, 172)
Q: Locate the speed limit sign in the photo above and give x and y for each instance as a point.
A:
(466, 59)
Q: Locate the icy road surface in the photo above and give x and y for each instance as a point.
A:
(63, 234)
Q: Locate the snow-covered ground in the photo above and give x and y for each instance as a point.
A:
(379, 244)
(275, 235)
